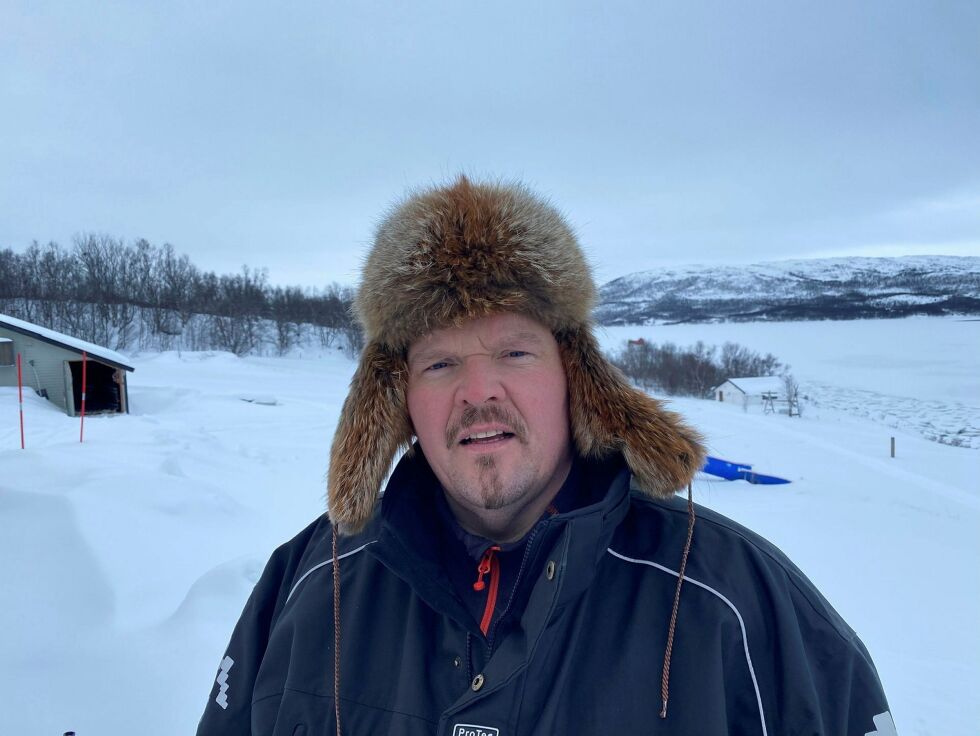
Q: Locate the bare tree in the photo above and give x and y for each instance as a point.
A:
(738, 361)
(791, 390)
(118, 295)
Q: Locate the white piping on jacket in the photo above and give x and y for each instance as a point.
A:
(741, 623)
(324, 563)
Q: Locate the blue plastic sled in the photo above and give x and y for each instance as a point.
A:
(738, 471)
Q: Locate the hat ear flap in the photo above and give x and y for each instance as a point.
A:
(373, 427)
(610, 415)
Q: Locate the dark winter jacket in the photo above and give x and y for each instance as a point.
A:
(579, 648)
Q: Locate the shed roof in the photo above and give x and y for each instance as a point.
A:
(65, 341)
(758, 384)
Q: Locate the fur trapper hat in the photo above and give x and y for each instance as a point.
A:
(449, 254)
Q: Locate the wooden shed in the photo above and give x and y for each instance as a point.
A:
(51, 365)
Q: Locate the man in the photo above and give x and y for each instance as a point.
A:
(528, 569)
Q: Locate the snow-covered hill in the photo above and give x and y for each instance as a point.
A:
(828, 288)
(127, 559)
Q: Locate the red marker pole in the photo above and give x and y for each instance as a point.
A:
(81, 429)
(20, 400)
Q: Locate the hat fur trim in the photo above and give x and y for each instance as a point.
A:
(373, 430)
(468, 250)
(609, 415)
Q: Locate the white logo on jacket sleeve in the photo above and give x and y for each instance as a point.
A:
(222, 698)
(884, 725)
(468, 729)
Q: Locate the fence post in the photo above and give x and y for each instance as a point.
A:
(81, 426)
(893, 447)
(20, 400)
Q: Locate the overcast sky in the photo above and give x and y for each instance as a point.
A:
(668, 132)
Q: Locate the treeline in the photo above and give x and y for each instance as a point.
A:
(672, 309)
(693, 371)
(143, 297)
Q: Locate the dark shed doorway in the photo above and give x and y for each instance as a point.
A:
(103, 392)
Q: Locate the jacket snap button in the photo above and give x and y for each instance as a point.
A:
(477, 683)
(550, 570)
(457, 661)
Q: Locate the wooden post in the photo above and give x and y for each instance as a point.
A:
(81, 426)
(20, 400)
(893, 447)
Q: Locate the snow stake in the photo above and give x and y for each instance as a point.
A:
(81, 426)
(20, 400)
(893, 447)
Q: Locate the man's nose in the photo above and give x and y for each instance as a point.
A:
(479, 382)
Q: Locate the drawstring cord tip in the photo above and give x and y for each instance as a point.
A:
(663, 711)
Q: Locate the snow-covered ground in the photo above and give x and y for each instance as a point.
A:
(920, 374)
(126, 559)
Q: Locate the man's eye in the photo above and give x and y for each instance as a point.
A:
(516, 353)
(437, 366)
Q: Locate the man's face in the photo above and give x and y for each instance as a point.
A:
(489, 403)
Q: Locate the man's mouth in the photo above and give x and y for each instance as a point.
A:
(481, 438)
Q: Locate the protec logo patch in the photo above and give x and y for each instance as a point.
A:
(468, 729)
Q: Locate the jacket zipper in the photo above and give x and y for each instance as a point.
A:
(517, 582)
(488, 564)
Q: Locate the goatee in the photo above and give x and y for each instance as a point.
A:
(492, 491)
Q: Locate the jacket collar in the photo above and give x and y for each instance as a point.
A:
(576, 492)
(410, 527)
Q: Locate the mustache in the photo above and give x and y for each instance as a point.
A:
(485, 414)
